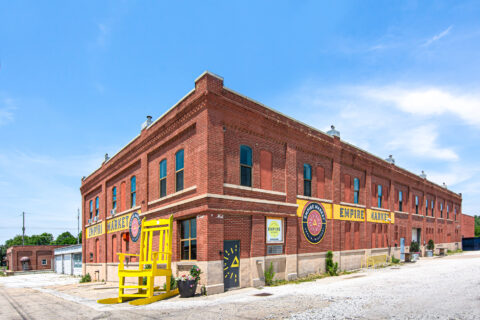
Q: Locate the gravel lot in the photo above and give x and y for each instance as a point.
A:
(434, 288)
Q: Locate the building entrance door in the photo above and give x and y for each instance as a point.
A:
(231, 263)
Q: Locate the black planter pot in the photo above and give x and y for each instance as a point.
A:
(187, 288)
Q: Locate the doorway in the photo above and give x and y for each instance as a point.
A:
(231, 264)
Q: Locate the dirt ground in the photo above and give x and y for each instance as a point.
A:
(433, 288)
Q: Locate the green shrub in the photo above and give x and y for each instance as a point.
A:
(173, 284)
(430, 245)
(86, 278)
(395, 260)
(331, 267)
(414, 247)
(269, 274)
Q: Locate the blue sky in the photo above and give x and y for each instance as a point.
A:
(78, 78)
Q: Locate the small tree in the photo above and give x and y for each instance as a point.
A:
(430, 245)
(269, 274)
(414, 247)
(331, 267)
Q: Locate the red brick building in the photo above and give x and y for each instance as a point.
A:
(249, 186)
(468, 226)
(24, 258)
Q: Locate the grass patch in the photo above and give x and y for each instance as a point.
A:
(450, 252)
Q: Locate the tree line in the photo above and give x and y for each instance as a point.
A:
(45, 238)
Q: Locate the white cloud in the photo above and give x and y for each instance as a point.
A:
(427, 101)
(45, 187)
(438, 36)
(7, 106)
(423, 142)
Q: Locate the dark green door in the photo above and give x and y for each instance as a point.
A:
(231, 263)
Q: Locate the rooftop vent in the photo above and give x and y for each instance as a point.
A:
(390, 159)
(147, 122)
(333, 132)
(106, 157)
(444, 185)
(423, 175)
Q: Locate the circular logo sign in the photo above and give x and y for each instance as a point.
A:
(274, 229)
(135, 227)
(314, 222)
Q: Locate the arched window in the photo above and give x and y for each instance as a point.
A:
(448, 212)
(379, 195)
(441, 210)
(179, 166)
(307, 180)
(163, 178)
(432, 204)
(400, 201)
(133, 191)
(416, 204)
(97, 202)
(426, 207)
(114, 198)
(356, 190)
(245, 166)
(91, 209)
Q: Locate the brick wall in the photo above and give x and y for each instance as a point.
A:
(468, 226)
(36, 255)
(210, 124)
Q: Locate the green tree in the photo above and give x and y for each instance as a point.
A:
(65, 238)
(42, 239)
(477, 226)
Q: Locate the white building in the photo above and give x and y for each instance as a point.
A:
(68, 260)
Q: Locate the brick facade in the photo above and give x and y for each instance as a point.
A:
(35, 254)
(468, 226)
(210, 124)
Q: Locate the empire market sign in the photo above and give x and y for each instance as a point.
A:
(129, 221)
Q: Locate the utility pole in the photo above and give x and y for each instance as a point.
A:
(23, 229)
(78, 225)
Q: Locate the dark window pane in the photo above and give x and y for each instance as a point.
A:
(356, 184)
(179, 184)
(133, 184)
(246, 176)
(133, 199)
(185, 229)
(185, 251)
(245, 155)
(355, 197)
(400, 206)
(193, 225)
(307, 172)
(179, 160)
(307, 188)
(379, 202)
(163, 187)
(193, 249)
(163, 169)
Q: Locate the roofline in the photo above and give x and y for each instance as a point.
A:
(343, 141)
(209, 73)
(138, 135)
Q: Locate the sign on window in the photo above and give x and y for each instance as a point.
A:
(274, 230)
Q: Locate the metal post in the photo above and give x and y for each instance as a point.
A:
(78, 225)
(23, 229)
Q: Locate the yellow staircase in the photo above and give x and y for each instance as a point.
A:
(147, 258)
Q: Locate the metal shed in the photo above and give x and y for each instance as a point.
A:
(68, 260)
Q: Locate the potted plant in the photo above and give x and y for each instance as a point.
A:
(415, 250)
(430, 247)
(187, 284)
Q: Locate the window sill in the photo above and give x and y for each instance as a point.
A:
(417, 215)
(353, 205)
(235, 186)
(314, 199)
(162, 199)
(379, 209)
(401, 212)
(124, 212)
(93, 223)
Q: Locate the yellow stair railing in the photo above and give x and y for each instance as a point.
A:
(147, 258)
